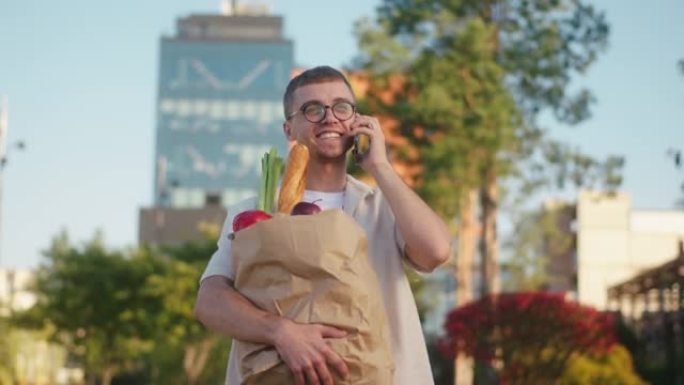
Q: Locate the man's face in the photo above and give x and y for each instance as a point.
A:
(329, 139)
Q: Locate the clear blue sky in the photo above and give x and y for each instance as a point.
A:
(81, 81)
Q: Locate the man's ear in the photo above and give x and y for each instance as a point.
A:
(287, 130)
(289, 136)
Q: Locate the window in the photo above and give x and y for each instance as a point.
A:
(233, 110)
(201, 107)
(216, 110)
(265, 112)
(212, 199)
(250, 109)
(166, 106)
(183, 107)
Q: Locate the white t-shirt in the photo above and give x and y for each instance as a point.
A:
(368, 207)
(325, 200)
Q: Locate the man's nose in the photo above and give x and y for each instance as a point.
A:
(329, 116)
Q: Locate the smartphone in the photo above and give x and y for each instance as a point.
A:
(361, 146)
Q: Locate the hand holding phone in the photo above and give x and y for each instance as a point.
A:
(361, 146)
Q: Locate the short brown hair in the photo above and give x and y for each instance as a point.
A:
(314, 75)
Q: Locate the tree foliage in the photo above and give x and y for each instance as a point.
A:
(127, 315)
(613, 368)
(539, 237)
(530, 337)
(183, 346)
(466, 83)
(7, 350)
(476, 76)
(451, 103)
(95, 304)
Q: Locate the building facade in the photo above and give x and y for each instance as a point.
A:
(219, 109)
(616, 242)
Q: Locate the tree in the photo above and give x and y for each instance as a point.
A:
(127, 316)
(613, 368)
(7, 349)
(93, 302)
(538, 237)
(543, 237)
(475, 76)
(531, 336)
(182, 342)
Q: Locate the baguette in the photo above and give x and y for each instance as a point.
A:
(294, 178)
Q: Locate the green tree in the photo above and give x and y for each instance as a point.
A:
(476, 75)
(544, 235)
(614, 368)
(184, 348)
(7, 350)
(127, 316)
(537, 238)
(94, 303)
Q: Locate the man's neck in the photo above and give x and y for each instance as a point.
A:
(326, 177)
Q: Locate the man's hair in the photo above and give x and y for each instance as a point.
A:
(314, 75)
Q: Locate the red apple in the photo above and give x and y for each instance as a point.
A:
(248, 218)
(305, 208)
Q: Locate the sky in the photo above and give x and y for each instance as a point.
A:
(80, 78)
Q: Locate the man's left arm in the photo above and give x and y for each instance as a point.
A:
(425, 233)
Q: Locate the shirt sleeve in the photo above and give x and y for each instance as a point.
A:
(221, 261)
(401, 246)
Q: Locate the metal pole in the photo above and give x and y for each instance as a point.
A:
(4, 150)
(3, 155)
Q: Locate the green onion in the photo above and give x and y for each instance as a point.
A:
(271, 169)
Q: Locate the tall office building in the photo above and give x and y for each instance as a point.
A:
(221, 81)
(219, 109)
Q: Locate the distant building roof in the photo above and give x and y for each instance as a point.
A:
(238, 27)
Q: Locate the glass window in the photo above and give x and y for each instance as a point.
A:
(201, 107)
(247, 193)
(179, 197)
(264, 114)
(175, 124)
(216, 110)
(183, 107)
(249, 109)
(233, 109)
(196, 198)
(231, 196)
(277, 111)
(166, 106)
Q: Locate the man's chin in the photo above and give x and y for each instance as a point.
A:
(332, 157)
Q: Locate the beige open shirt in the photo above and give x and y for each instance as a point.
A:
(385, 249)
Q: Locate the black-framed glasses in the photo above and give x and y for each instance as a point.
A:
(315, 112)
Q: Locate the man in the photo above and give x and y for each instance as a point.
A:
(320, 113)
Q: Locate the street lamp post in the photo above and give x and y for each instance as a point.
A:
(4, 154)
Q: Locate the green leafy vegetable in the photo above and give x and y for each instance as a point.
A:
(271, 170)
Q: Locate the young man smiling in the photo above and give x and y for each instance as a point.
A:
(320, 113)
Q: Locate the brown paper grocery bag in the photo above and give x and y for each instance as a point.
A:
(313, 269)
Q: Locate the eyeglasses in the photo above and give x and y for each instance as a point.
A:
(315, 112)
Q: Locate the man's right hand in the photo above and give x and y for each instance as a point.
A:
(304, 349)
